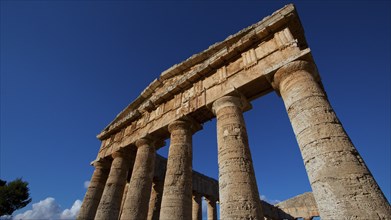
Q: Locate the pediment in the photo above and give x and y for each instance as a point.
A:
(186, 74)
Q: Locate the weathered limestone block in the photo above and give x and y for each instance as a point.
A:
(109, 206)
(239, 197)
(177, 192)
(272, 212)
(341, 182)
(137, 199)
(95, 190)
(303, 206)
(155, 200)
(197, 206)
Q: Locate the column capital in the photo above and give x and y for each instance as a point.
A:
(101, 163)
(185, 123)
(124, 153)
(144, 141)
(225, 101)
(294, 66)
(150, 141)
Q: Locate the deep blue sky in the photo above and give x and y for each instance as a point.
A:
(68, 68)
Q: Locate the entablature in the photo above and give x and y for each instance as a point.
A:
(242, 65)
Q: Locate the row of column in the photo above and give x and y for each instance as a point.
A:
(197, 207)
(103, 197)
(341, 183)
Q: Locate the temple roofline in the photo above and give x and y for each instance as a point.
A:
(230, 47)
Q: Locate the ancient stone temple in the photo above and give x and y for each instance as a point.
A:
(131, 181)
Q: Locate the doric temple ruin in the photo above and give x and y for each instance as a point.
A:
(131, 182)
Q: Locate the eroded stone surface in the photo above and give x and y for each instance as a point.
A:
(301, 206)
(204, 185)
(94, 191)
(177, 191)
(110, 203)
(155, 200)
(341, 182)
(137, 199)
(239, 197)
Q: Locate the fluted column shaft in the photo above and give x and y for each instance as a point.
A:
(239, 197)
(177, 192)
(155, 200)
(109, 206)
(137, 199)
(94, 191)
(212, 211)
(341, 183)
(197, 206)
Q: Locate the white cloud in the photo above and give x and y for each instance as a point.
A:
(270, 201)
(45, 209)
(49, 209)
(71, 213)
(86, 184)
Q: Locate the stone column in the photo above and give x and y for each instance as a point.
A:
(155, 200)
(126, 188)
(341, 183)
(177, 192)
(197, 206)
(132, 159)
(212, 211)
(109, 206)
(239, 198)
(95, 190)
(137, 199)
